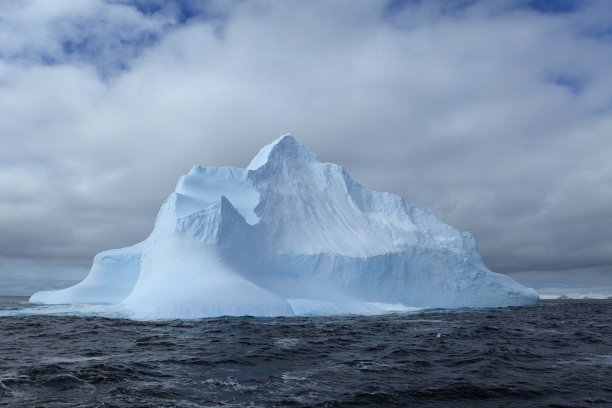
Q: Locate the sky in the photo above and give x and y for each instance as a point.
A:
(494, 115)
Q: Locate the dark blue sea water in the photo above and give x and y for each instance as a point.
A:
(555, 354)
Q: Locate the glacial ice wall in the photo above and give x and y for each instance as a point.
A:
(290, 235)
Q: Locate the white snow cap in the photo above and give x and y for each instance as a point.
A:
(290, 235)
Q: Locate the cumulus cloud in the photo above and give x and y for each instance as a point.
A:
(496, 117)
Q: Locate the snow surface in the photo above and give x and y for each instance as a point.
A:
(290, 235)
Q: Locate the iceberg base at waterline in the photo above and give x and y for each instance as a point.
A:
(289, 235)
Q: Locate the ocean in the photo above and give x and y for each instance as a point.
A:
(554, 354)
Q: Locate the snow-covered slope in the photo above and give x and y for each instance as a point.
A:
(290, 235)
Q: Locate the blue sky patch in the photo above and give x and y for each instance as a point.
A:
(554, 6)
(573, 84)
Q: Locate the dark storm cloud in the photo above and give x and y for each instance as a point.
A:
(495, 116)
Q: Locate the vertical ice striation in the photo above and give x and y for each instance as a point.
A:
(291, 235)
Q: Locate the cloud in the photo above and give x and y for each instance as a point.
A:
(496, 117)
(21, 277)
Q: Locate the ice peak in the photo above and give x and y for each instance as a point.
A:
(285, 147)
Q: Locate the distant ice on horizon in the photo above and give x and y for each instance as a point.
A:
(290, 235)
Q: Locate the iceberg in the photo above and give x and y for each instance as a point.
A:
(290, 235)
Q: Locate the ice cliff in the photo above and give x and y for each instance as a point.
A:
(290, 235)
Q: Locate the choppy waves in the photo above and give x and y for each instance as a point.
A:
(556, 354)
